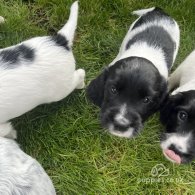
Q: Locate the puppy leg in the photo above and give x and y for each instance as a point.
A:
(79, 78)
(6, 130)
(2, 20)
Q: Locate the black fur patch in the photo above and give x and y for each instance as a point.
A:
(26, 52)
(156, 14)
(95, 90)
(158, 37)
(14, 55)
(61, 41)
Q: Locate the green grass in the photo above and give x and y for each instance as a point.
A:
(66, 137)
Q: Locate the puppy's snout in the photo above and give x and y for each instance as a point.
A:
(125, 118)
(175, 148)
(121, 120)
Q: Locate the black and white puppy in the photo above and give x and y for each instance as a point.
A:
(20, 173)
(132, 87)
(178, 114)
(37, 71)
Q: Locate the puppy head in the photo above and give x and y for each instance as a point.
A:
(128, 93)
(178, 140)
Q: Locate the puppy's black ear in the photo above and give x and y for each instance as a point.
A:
(169, 105)
(95, 90)
(163, 92)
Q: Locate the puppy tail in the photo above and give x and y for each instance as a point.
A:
(69, 28)
(143, 11)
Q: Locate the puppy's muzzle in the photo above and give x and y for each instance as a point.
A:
(121, 122)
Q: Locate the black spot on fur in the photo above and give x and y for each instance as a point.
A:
(9, 55)
(158, 37)
(61, 41)
(157, 14)
(26, 52)
(14, 55)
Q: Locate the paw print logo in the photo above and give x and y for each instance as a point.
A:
(159, 170)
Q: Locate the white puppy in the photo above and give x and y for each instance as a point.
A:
(20, 173)
(37, 71)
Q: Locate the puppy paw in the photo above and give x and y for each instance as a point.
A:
(81, 79)
(2, 20)
(6, 130)
(12, 134)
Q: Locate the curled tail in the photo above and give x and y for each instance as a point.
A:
(141, 12)
(69, 28)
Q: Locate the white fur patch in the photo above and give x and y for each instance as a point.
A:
(186, 87)
(184, 75)
(6, 130)
(180, 142)
(120, 117)
(128, 133)
(154, 55)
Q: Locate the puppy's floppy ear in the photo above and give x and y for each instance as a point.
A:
(95, 90)
(169, 105)
(163, 92)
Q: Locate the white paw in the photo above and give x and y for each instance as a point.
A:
(12, 134)
(2, 20)
(81, 75)
(6, 130)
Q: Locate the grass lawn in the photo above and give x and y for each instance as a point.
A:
(66, 137)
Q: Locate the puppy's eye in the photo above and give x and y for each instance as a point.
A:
(146, 100)
(113, 89)
(182, 115)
